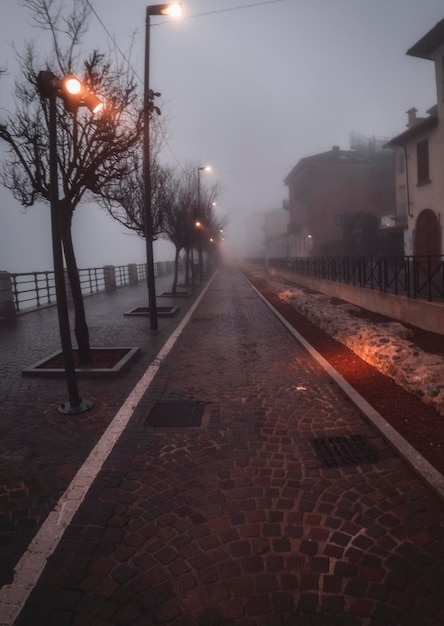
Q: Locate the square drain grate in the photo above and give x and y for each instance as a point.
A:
(176, 414)
(344, 450)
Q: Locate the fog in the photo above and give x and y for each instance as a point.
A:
(248, 87)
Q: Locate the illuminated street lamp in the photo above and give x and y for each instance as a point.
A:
(203, 168)
(172, 9)
(73, 94)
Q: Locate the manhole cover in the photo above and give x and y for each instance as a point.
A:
(344, 450)
(176, 414)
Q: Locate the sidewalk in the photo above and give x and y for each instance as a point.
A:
(232, 521)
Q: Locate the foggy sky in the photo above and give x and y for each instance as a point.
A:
(248, 88)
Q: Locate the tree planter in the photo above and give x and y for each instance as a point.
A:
(162, 311)
(106, 362)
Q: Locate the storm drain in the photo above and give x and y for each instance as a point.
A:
(344, 450)
(176, 414)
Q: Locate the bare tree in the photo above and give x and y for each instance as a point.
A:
(92, 150)
(181, 215)
(124, 199)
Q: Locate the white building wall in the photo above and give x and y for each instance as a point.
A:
(428, 195)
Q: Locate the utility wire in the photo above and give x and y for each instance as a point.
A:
(128, 62)
(237, 8)
(113, 40)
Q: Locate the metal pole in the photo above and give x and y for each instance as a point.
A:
(151, 280)
(199, 242)
(75, 404)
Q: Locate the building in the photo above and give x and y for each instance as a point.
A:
(275, 234)
(337, 199)
(419, 156)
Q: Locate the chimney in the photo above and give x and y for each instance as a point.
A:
(412, 117)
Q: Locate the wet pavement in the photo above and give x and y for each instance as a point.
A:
(278, 503)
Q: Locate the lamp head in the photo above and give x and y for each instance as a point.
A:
(71, 85)
(93, 102)
(173, 9)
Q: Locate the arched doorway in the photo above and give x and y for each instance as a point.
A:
(427, 234)
(427, 250)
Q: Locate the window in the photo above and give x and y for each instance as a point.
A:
(400, 164)
(422, 158)
(402, 200)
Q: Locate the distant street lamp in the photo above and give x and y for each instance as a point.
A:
(173, 9)
(71, 91)
(204, 168)
(199, 226)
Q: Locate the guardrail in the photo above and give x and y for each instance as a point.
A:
(37, 289)
(410, 276)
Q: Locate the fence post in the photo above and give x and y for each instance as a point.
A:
(7, 308)
(109, 275)
(132, 274)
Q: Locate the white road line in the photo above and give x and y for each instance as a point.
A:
(27, 571)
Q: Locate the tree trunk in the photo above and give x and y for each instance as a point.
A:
(80, 326)
(187, 267)
(176, 271)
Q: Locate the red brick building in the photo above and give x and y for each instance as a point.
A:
(325, 192)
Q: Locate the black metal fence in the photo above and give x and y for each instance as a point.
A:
(410, 276)
(36, 289)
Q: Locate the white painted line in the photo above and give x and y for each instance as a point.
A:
(417, 462)
(27, 571)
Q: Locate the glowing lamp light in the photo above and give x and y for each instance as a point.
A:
(173, 10)
(97, 108)
(94, 104)
(72, 85)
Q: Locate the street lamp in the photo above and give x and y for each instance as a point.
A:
(173, 9)
(203, 168)
(71, 91)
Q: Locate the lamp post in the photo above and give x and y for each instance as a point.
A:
(204, 168)
(199, 227)
(174, 9)
(70, 90)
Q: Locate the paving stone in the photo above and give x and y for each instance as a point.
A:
(231, 522)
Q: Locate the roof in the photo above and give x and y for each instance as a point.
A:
(332, 157)
(429, 123)
(425, 47)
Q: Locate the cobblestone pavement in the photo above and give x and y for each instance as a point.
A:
(234, 521)
(40, 449)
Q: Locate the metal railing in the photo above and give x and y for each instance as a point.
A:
(37, 289)
(410, 276)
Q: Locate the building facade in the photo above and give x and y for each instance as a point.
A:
(335, 195)
(419, 157)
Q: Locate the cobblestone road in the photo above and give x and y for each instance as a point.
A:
(233, 521)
